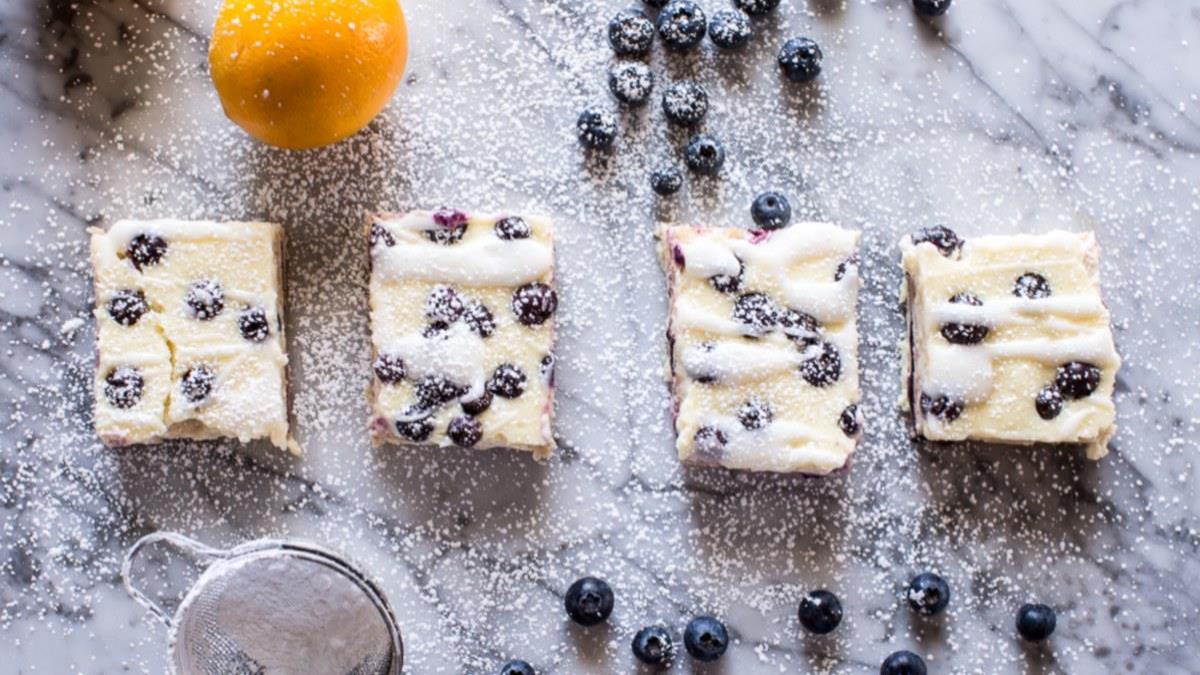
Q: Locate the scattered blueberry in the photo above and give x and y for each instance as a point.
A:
(730, 29)
(205, 299)
(508, 381)
(434, 390)
(800, 59)
(656, 4)
(756, 7)
(771, 211)
(443, 305)
(435, 329)
(928, 594)
(1049, 402)
(389, 368)
(517, 667)
(1077, 379)
(1031, 285)
(685, 103)
(755, 414)
(380, 234)
(451, 226)
(705, 638)
(253, 324)
(464, 431)
(820, 612)
(942, 406)
(476, 406)
(944, 238)
(534, 303)
(931, 7)
(630, 32)
(653, 646)
(126, 306)
(597, 129)
(800, 327)
(197, 383)
(145, 250)
(822, 364)
(849, 422)
(681, 24)
(756, 311)
(480, 320)
(704, 155)
(965, 333)
(417, 428)
(512, 227)
(844, 267)
(667, 180)
(1036, 622)
(902, 663)
(710, 441)
(123, 387)
(589, 601)
(630, 82)
(725, 283)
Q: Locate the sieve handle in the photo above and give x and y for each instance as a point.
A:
(199, 552)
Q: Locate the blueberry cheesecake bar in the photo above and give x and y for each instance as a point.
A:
(189, 332)
(763, 345)
(1008, 339)
(462, 328)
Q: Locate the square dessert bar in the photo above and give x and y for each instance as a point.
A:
(763, 346)
(1008, 339)
(190, 332)
(462, 329)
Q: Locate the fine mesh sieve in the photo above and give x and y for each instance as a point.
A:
(273, 607)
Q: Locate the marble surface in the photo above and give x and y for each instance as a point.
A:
(1004, 116)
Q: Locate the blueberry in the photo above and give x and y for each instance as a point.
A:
(1031, 285)
(379, 234)
(589, 601)
(1036, 622)
(820, 612)
(436, 329)
(126, 306)
(755, 414)
(800, 59)
(434, 390)
(415, 425)
(849, 422)
(902, 663)
(597, 129)
(844, 267)
(478, 405)
(656, 4)
(725, 283)
(1049, 402)
(123, 387)
(630, 82)
(730, 29)
(942, 237)
(534, 303)
(653, 646)
(389, 368)
(205, 299)
(756, 7)
(943, 407)
(685, 103)
(145, 250)
(928, 594)
(931, 7)
(756, 311)
(480, 320)
(710, 441)
(197, 383)
(451, 226)
(1077, 379)
(517, 667)
(253, 324)
(771, 211)
(512, 227)
(667, 180)
(508, 381)
(704, 155)
(681, 24)
(965, 333)
(800, 327)
(822, 364)
(705, 638)
(630, 32)
(464, 431)
(443, 305)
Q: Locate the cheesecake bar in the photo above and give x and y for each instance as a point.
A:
(763, 346)
(190, 332)
(462, 330)
(1008, 339)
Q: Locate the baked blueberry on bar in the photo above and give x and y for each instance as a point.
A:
(1008, 339)
(190, 332)
(462, 326)
(763, 345)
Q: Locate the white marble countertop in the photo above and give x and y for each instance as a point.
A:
(1005, 115)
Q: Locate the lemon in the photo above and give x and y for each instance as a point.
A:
(305, 73)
